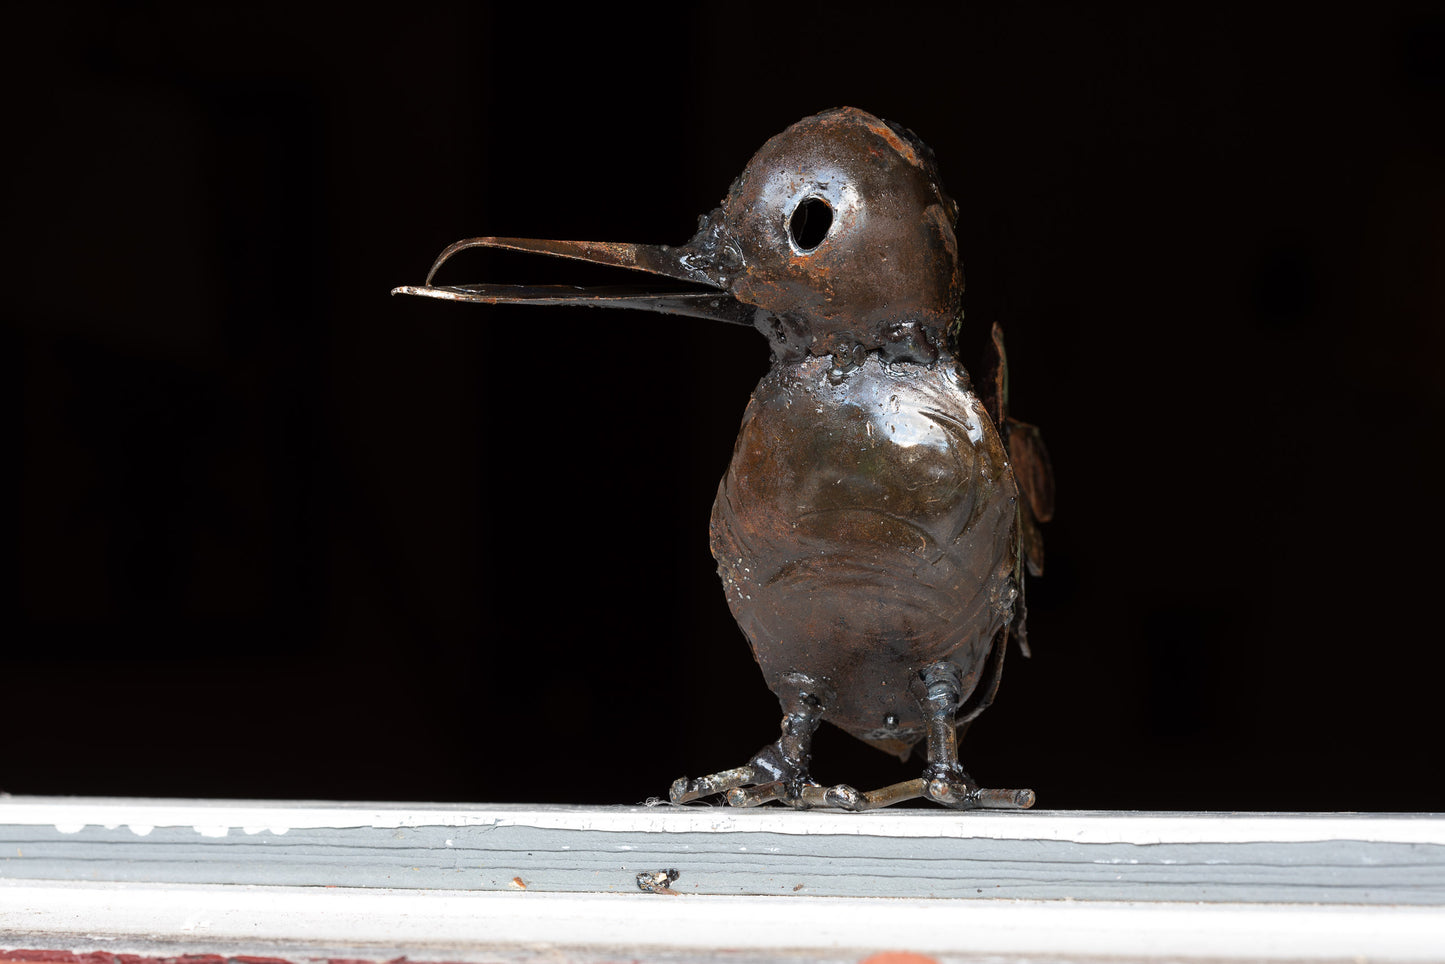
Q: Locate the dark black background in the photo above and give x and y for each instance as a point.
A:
(278, 534)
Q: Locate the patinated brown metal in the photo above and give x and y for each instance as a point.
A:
(874, 525)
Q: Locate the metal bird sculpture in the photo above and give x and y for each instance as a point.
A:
(873, 528)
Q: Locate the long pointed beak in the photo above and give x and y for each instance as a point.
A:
(684, 264)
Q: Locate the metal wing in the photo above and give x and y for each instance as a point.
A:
(1032, 470)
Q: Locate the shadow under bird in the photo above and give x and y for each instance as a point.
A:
(874, 526)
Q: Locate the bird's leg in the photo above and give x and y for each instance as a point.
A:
(780, 770)
(944, 781)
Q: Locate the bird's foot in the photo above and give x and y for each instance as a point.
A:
(686, 791)
(950, 785)
(779, 771)
(741, 787)
(802, 797)
(771, 776)
(959, 795)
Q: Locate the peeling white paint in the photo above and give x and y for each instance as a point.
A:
(214, 817)
(192, 924)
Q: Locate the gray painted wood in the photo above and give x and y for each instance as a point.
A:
(582, 850)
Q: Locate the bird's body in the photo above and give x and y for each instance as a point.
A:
(871, 529)
(864, 531)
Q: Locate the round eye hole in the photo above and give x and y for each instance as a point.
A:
(810, 223)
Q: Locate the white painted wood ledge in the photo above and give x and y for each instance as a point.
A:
(473, 882)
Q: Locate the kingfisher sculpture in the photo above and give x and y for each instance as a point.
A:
(873, 529)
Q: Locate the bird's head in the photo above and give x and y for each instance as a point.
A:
(840, 223)
(836, 237)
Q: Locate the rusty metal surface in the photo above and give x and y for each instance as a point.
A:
(877, 546)
(877, 517)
